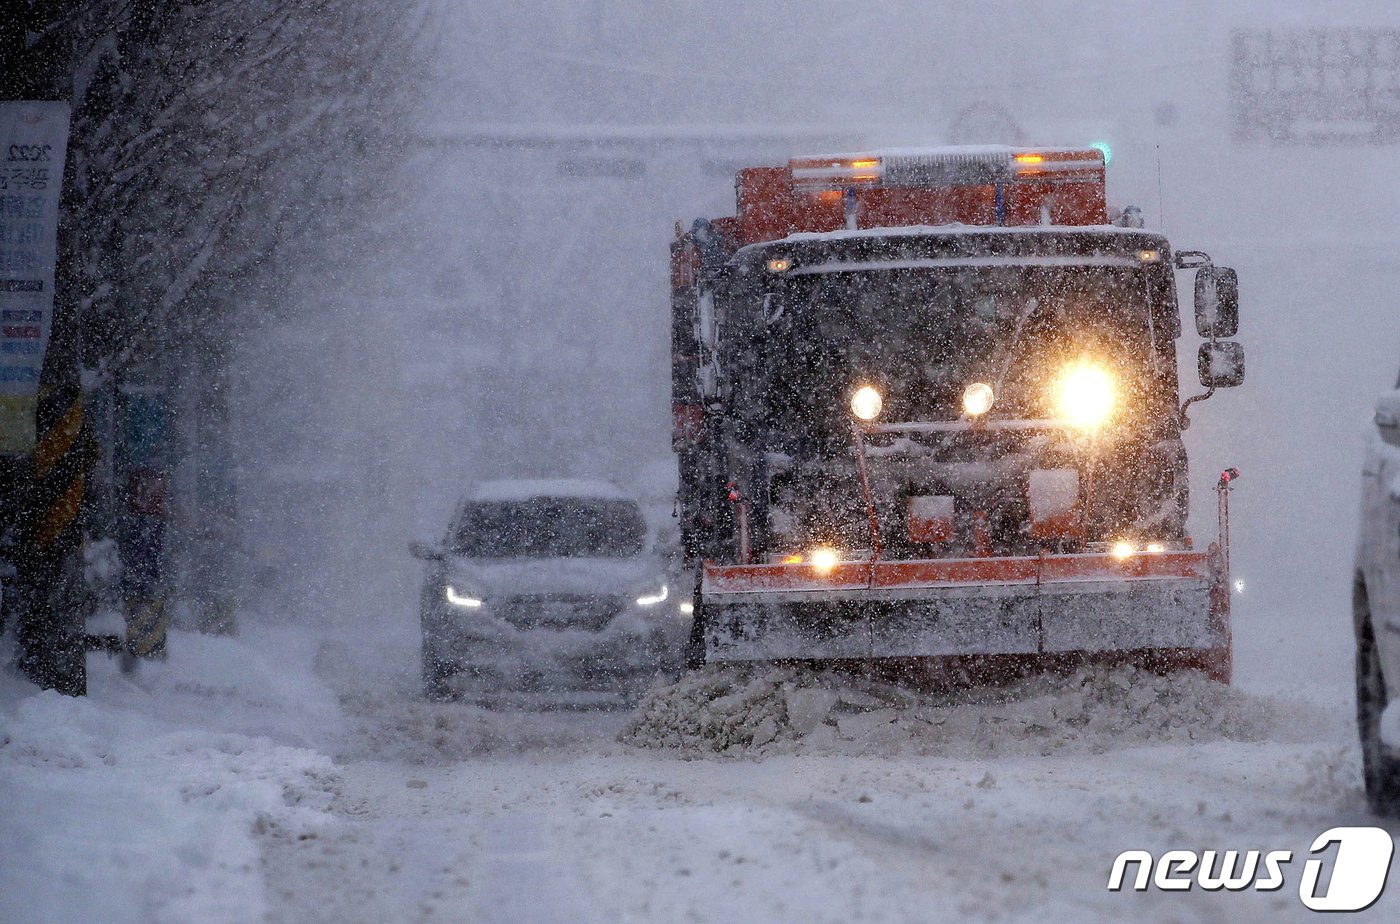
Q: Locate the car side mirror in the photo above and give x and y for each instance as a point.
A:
(1388, 417)
(425, 551)
(1220, 364)
(1217, 302)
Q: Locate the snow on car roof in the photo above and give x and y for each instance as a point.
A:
(512, 489)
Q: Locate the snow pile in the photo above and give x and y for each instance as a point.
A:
(739, 710)
(145, 802)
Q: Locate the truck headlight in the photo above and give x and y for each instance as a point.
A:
(977, 399)
(866, 403)
(460, 599)
(1085, 395)
(653, 599)
(823, 559)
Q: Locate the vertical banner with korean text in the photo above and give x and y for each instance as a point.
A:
(33, 142)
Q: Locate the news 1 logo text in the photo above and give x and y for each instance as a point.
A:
(1357, 868)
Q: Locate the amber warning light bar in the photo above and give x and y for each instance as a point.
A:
(934, 167)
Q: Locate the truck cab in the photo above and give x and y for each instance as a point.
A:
(931, 357)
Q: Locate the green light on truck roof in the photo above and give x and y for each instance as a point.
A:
(1107, 151)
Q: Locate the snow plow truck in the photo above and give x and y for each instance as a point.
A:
(927, 415)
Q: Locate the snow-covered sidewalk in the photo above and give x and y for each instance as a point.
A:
(144, 802)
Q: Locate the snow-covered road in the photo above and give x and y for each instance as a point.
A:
(620, 837)
(286, 777)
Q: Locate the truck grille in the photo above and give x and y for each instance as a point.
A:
(559, 611)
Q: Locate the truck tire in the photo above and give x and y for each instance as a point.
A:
(1380, 764)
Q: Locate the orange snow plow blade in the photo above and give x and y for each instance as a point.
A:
(1164, 608)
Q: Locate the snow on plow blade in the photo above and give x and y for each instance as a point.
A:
(1170, 602)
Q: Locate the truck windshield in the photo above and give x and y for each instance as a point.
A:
(551, 527)
(921, 335)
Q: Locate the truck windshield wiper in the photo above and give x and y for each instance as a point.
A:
(1008, 354)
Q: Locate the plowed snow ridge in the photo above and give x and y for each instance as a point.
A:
(747, 711)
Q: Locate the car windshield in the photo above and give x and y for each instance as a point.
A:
(551, 527)
(921, 335)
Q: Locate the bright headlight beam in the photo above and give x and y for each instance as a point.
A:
(653, 599)
(823, 559)
(866, 403)
(1085, 395)
(464, 600)
(977, 399)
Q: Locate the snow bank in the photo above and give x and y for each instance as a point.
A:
(741, 710)
(135, 805)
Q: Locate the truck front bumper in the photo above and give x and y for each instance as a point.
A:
(1166, 602)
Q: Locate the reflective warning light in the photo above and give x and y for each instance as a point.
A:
(928, 168)
(792, 559)
(779, 265)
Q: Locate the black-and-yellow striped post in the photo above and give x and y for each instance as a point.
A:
(60, 469)
(147, 624)
(51, 620)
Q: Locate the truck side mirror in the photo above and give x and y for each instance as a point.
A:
(1388, 417)
(1220, 364)
(1217, 302)
(425, 551)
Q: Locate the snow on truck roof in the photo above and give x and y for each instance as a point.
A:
(516, 489)
(844, 234)
(950, 150)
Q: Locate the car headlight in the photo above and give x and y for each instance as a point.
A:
(1085, 395)
(456, 598)
(653, 599)
(866, 403)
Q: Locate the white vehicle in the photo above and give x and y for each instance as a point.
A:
(548, 590)
(1376, 604)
